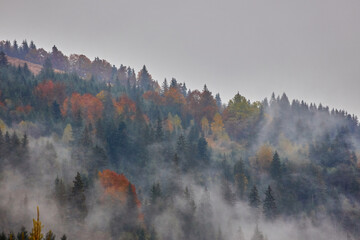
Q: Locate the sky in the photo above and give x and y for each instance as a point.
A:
(309, 49)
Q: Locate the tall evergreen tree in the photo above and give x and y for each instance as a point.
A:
(3, 59)
(78, 198)
(275, 167)
(269, 205)
(258, 235)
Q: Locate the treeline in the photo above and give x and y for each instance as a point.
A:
(284, 159)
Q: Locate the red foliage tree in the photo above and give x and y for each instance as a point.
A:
(49, 92)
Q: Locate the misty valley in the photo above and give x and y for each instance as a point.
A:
(89, 150)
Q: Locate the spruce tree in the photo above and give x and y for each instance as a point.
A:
(241, 180)
(50, 235)
(258, 235)
(254, 199)
(78, 198)
(275, 167)
(23, 234)
(3, 59)
(269, 205)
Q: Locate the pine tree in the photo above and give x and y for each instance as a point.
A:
(47, 71)
(131, 208)
(269, 205)
(55, 109)
(227, 192)
(22, 235)
(165, 87)
(78, 198)
(50, 235)
(181, 145)
(155, 193)
(218, 101)
(159, 131)
(258, 235)
(254, 199)
(36, 231)
(3, 59)
(241, 180)
(275, 167)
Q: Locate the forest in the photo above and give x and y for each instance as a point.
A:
(92, 151)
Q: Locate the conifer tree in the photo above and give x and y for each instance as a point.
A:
(159, 134)
(254, 199)
(241, 180)
(22, 235)
(275, 167)
(258, 235)
(3, 59)
(155, 193)
(78, 198)
(50, 235)
(269, 205)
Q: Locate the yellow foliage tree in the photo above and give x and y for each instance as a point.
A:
(217, 127)
(205, 126)
(176, 120)
(68, 134)
(2, 126)
(36, 231)
(263, 157)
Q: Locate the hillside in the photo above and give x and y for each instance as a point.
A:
(33, 67)
(135, 160)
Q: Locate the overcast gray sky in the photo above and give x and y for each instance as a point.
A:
(309, 49)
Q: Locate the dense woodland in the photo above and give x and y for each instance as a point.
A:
(108, 153)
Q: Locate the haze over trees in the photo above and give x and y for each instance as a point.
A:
(111, 153)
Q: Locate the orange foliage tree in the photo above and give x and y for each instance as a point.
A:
(201, 104)
(125, 106)
(90, 107)
(174, 99)
(49, 91)
(117, 185)
(154, 97)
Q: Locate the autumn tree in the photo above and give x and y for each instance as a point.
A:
(22, 235)
(50, 92)
(217, 128)
(207, 104)
(36, 230)
(67, 137)
(205, 126)
(240, 118)
(263, 158)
